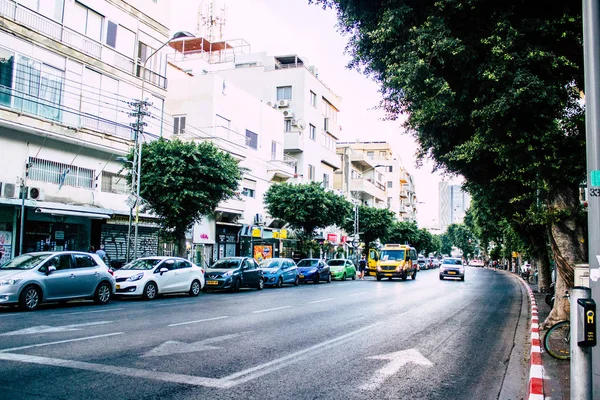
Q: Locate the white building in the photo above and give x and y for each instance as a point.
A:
(67, 72)
(454, 203)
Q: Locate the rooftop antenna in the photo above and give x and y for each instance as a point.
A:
(212, 17)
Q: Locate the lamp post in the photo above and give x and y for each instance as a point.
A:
(137, 145)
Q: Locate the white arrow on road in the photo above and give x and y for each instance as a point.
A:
(396, 361)
(175, 347)
(52, 329)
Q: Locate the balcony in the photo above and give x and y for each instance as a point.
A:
(281, 170)
(232, 206)
(404, 194)
(369, 188)
(293, 142)
(360, 159)
(52, 29)
(224, 138)
(403, 177)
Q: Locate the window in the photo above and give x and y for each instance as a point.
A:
(60, 174)
(287, 125)
(87, 22)
(312, 132)
(273, 150)
(328, 141)
(114, 183)
(371, 155)
(84, 261)
(178, 124)
(247, 192)
(7, 65)
(60, 262)
(251, 139)
(313, 99)
(125, 41)
(50, 8)
(326, 181)
(111, 34)
(311, 172)
(390, 184)
(183, 264)
(390, 168)
(284, 93)
(326, 124)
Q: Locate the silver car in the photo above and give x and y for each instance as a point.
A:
(34, 278)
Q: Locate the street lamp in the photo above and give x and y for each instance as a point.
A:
(137, 146)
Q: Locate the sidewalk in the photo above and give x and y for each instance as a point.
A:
(556, 372)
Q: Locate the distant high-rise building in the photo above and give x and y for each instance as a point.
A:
(454, 203)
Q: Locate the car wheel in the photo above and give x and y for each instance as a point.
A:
(103, 293)
(30, 298)
(329, 278)
(261, 284)
(462, 278)
(237, 285)
(297, 281)
(150, 291)
(344, 277)
(441, 278)
(354, 276)
(404, 276)
(279, 282)
(414, 275)
(378, 277)
(316, 279)
(195, 288)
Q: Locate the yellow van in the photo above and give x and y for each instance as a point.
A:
(397, 261)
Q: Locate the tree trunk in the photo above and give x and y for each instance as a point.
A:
(181, 244)
(568, 248)
(539, 242)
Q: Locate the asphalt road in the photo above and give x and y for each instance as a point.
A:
(423, 339)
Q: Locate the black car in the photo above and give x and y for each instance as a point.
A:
(234, 273)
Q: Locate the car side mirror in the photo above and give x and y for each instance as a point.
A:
(163, 270)
(50, 269)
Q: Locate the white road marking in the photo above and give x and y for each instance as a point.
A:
(53, 329)
(175, 303)
(174, 347)
(357, 293)
(396, 361)
(31, 346)
(198, 321)
(321, 301)
(271, 309)
(90, 312)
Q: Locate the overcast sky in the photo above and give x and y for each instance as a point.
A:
(294, 27)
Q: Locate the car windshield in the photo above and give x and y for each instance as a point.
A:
(308, 263)
(226, 264)
(391, 255)
(25, 261)
(144, 264)
(450, 261)
(270, 263)
(335, 263)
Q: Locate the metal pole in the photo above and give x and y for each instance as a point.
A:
(581, 357)
(591, 51)
(137, 203)
(23, 195)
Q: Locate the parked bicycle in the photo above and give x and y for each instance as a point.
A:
(557, 341)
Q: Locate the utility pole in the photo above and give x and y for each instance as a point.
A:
(591, 52)
(23, 197)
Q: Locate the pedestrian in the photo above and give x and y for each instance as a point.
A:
(362, 266)
(102, 254)
(92, 249)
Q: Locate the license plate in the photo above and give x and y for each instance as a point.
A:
(387, 274)
(118, 286)
(212, 282)
(451, 272)
(301, 276)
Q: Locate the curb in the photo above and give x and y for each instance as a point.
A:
(535, 388)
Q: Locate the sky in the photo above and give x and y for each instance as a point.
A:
(281, 27)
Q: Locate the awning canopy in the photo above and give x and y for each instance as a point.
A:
(84, 214)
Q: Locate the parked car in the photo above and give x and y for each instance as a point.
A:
(277, 271)
(34, 278)
(422, 263)
(313, 270)
(476, 263)
(452, 268)
(152, 276)
(234, 273)
(342, 268)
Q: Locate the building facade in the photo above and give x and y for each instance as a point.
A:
(68, 71)
(454, 203)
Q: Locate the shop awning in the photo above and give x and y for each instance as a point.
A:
(84, 214)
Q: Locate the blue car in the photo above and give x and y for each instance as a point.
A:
(313, 270)
(277, 271)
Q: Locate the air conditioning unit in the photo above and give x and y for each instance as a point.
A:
(283, 103)
(273, 104)
(34, 193)
(258, 218)
(9, 190)
(289, 114)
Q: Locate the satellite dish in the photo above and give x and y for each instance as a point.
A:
(301, 124)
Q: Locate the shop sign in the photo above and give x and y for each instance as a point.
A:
(276, 235)
(256, 232)
(262, 252)
(283, 234)
(59, 235)
(5, 238)
(204, 232)
(267, 234)
(332, 237)
(344, 239)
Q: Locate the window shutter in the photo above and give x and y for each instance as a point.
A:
(111, 34)
(175, 125)
(182, 124)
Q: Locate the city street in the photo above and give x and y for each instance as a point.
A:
(423, 339)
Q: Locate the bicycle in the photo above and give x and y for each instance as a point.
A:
(557, 341)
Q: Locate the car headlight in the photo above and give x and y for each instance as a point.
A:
(10, 281)
(228, 273)
(135, 277)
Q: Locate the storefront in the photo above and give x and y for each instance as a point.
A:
(227, 240)
(114, 233)
(7, 231)
(203, 242)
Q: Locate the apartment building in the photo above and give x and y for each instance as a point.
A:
(453, 204)
(68, 71)
(206, 107)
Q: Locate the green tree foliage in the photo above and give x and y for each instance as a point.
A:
(306, 208)
(185, 181)
(403, 232)
(462, 238)
(373, 224)
(446, 249)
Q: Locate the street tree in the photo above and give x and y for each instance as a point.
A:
(306, 208)
(403, 232)
(497, 101)
(373, 224)
(461, 238)
(182, 182)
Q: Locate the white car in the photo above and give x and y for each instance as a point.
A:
(151, 276)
